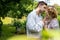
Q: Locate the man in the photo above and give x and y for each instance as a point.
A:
(34, 20)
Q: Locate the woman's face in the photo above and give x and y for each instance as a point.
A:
(50, 11)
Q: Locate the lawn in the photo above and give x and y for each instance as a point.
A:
(18, 37)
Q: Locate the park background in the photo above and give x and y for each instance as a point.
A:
(17, 9)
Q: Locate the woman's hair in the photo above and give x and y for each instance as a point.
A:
(52, 12)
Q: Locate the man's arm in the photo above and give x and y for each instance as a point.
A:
(31, 25)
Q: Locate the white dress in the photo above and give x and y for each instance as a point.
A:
(53, 24)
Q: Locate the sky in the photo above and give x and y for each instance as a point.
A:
(52, 2)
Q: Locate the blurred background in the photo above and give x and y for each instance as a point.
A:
(13, 15)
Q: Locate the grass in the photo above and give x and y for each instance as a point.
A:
(18, 37)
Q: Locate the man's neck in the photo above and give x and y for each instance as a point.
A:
(38, 11)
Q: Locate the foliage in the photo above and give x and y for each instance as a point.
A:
(16, 8)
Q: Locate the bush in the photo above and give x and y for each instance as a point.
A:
(21, 25)
(58, 19)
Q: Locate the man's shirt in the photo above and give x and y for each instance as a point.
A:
(34, 23)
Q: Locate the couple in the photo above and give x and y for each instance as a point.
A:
(35, 21)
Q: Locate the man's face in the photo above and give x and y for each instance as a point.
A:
(43, 8)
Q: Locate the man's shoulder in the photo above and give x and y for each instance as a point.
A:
(32, 13)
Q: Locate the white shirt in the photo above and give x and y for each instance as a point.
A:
(34, 23)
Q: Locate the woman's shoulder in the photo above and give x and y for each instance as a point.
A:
(54, 20)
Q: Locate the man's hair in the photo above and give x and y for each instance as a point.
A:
(42, 3)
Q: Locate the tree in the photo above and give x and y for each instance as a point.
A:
(15, 8)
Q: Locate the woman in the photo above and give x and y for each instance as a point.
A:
(51, 19)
